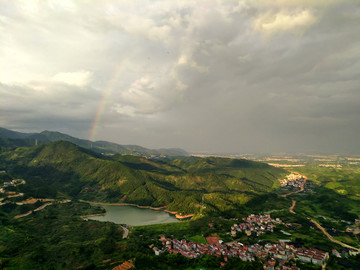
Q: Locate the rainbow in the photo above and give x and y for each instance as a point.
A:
(101, 107)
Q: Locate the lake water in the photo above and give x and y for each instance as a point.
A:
(132, 215)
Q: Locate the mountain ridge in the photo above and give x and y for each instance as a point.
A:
(104, 147)
(62, 167)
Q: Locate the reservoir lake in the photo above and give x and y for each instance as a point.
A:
(132, 215)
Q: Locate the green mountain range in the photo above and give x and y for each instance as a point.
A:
(63, 169)
(12, 139)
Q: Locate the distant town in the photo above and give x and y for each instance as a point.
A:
(286, 160)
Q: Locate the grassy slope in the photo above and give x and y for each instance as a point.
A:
(344, 181)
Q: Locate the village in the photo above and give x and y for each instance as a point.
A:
(280, 255)
(354, 229)
(293, 180)
(257, 224)
(271, 254)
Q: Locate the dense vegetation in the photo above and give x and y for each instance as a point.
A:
(64, 169)
(56, 238)
(217, 190)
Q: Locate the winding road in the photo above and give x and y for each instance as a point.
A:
(126, 232)
(331, 238)
(291, 209)
(40, 208)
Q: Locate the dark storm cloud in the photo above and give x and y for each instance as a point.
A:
(219, 76)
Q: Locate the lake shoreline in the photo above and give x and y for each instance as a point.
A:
(94, 215)
(143, 207)
(177, 215)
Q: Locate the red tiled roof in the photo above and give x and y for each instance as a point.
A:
(125, 266)
(212, 239)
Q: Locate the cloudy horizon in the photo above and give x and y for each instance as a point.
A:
(205, 76)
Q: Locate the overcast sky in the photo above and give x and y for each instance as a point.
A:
(214, 76)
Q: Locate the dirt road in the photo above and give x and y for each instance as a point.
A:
(126, 232)
(331, 238)
(291, 209)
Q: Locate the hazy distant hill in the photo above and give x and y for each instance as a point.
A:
(64, 168)
(98, 146)
(10, 134)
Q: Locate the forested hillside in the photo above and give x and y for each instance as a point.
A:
(64, 169)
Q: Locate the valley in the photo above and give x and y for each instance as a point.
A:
(56, 184)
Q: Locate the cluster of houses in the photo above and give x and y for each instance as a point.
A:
(354, 229)
(295, 180)
(283, 252)
(192, 249)
(273, 255)
(257, 224)
(14, 183)
(11, 194)
(297, 183)
(344, 253)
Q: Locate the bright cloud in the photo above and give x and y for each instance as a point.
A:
(78, 78)
(282, 21)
